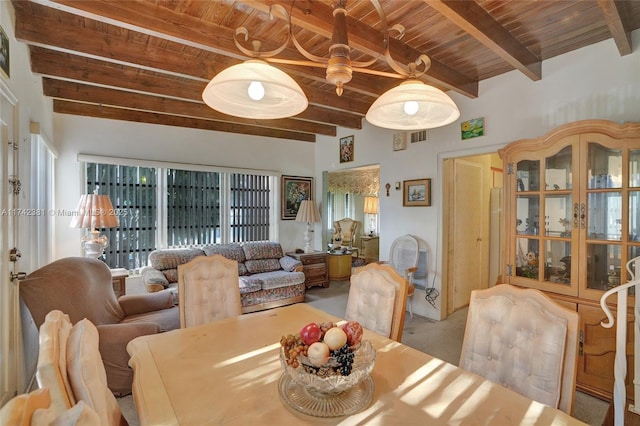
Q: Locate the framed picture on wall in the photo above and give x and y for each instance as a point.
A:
(417, 192)
(346, 149)
(4, 53)
(294, 189)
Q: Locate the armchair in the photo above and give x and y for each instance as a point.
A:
(81, 287)
(346, 229)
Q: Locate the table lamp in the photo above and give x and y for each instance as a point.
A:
(308, 212)
(94, 211)
(371, 208)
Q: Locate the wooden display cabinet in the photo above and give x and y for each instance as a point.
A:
(572, 221)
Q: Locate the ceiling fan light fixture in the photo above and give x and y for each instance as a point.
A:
(255, 89)
(413, 105)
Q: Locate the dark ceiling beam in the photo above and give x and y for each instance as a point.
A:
(614, 13)
(474, 20)
(318, 17)
(83, 41)
(101, 111)
(85, 93)
(160, 22)
(81, 69)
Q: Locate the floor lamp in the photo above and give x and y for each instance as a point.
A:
(308, 212)
(94, 211)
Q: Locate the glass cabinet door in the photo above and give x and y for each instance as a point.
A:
(612, 197)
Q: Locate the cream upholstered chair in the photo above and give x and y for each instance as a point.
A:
(87, 375)
(377, 300)
(20, 409)
(51, 372)
(70, 366)
(403, 256)
(208, 290)
(346, 230)
(35, 409)
(525, 341)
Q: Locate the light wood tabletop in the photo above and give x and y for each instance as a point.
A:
(227, 373)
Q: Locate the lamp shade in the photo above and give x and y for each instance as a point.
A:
(255, 89)
(308, 212)
(94, 211)
(371, 205)
(412, 105)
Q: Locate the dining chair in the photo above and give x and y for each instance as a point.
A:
(208, 290)
(377, 299)
(403, 256)
(523, 340)
(87, 374)
(35, 409)
(51, 368)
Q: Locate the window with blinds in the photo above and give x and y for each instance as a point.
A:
(195, 208)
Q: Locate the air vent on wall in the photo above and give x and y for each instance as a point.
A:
(419, 136)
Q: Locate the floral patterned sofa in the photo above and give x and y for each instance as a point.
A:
(267, 277)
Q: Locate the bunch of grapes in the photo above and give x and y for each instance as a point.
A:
(293, 348)
(344, 356)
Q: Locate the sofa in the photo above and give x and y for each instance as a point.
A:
(267, 277)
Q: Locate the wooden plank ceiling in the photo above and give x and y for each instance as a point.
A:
(149, 60)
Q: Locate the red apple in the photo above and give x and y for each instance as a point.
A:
(318, 354)
(335, 338)
(310, 333)
(354, 331)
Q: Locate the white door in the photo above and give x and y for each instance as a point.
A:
(9, 312)
(468, 217)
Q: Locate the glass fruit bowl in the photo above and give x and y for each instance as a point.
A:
(325, 380)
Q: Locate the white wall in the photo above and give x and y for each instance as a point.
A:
(593, 82)
(82, 135)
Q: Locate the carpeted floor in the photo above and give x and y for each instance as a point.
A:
(442, 339)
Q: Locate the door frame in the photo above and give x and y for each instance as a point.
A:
(444, 244)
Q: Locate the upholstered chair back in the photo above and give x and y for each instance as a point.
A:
(523, 340)
(83, 289)
(208, 290)
(346, 228)
(377, 299)
(51, 370)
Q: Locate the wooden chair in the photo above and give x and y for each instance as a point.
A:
(346, 229)
(525, 341)
(208, 290)
(377, 300)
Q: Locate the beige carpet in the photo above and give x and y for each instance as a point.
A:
(442, 339)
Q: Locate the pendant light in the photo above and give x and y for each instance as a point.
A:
(255, 89)
(413, 105)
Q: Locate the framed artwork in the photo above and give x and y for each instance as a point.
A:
(399, 141)
(4, 52)
(417, 192)
(294, 190)
(472, 128)
(346, 149)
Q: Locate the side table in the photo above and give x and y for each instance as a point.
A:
(314, 266)
(119, 278)
(340, 266)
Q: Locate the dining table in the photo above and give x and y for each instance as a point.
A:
(229, 372)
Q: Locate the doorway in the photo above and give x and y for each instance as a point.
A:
(472, 226)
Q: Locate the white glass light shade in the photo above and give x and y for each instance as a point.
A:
(435, 108)
(228, 92)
